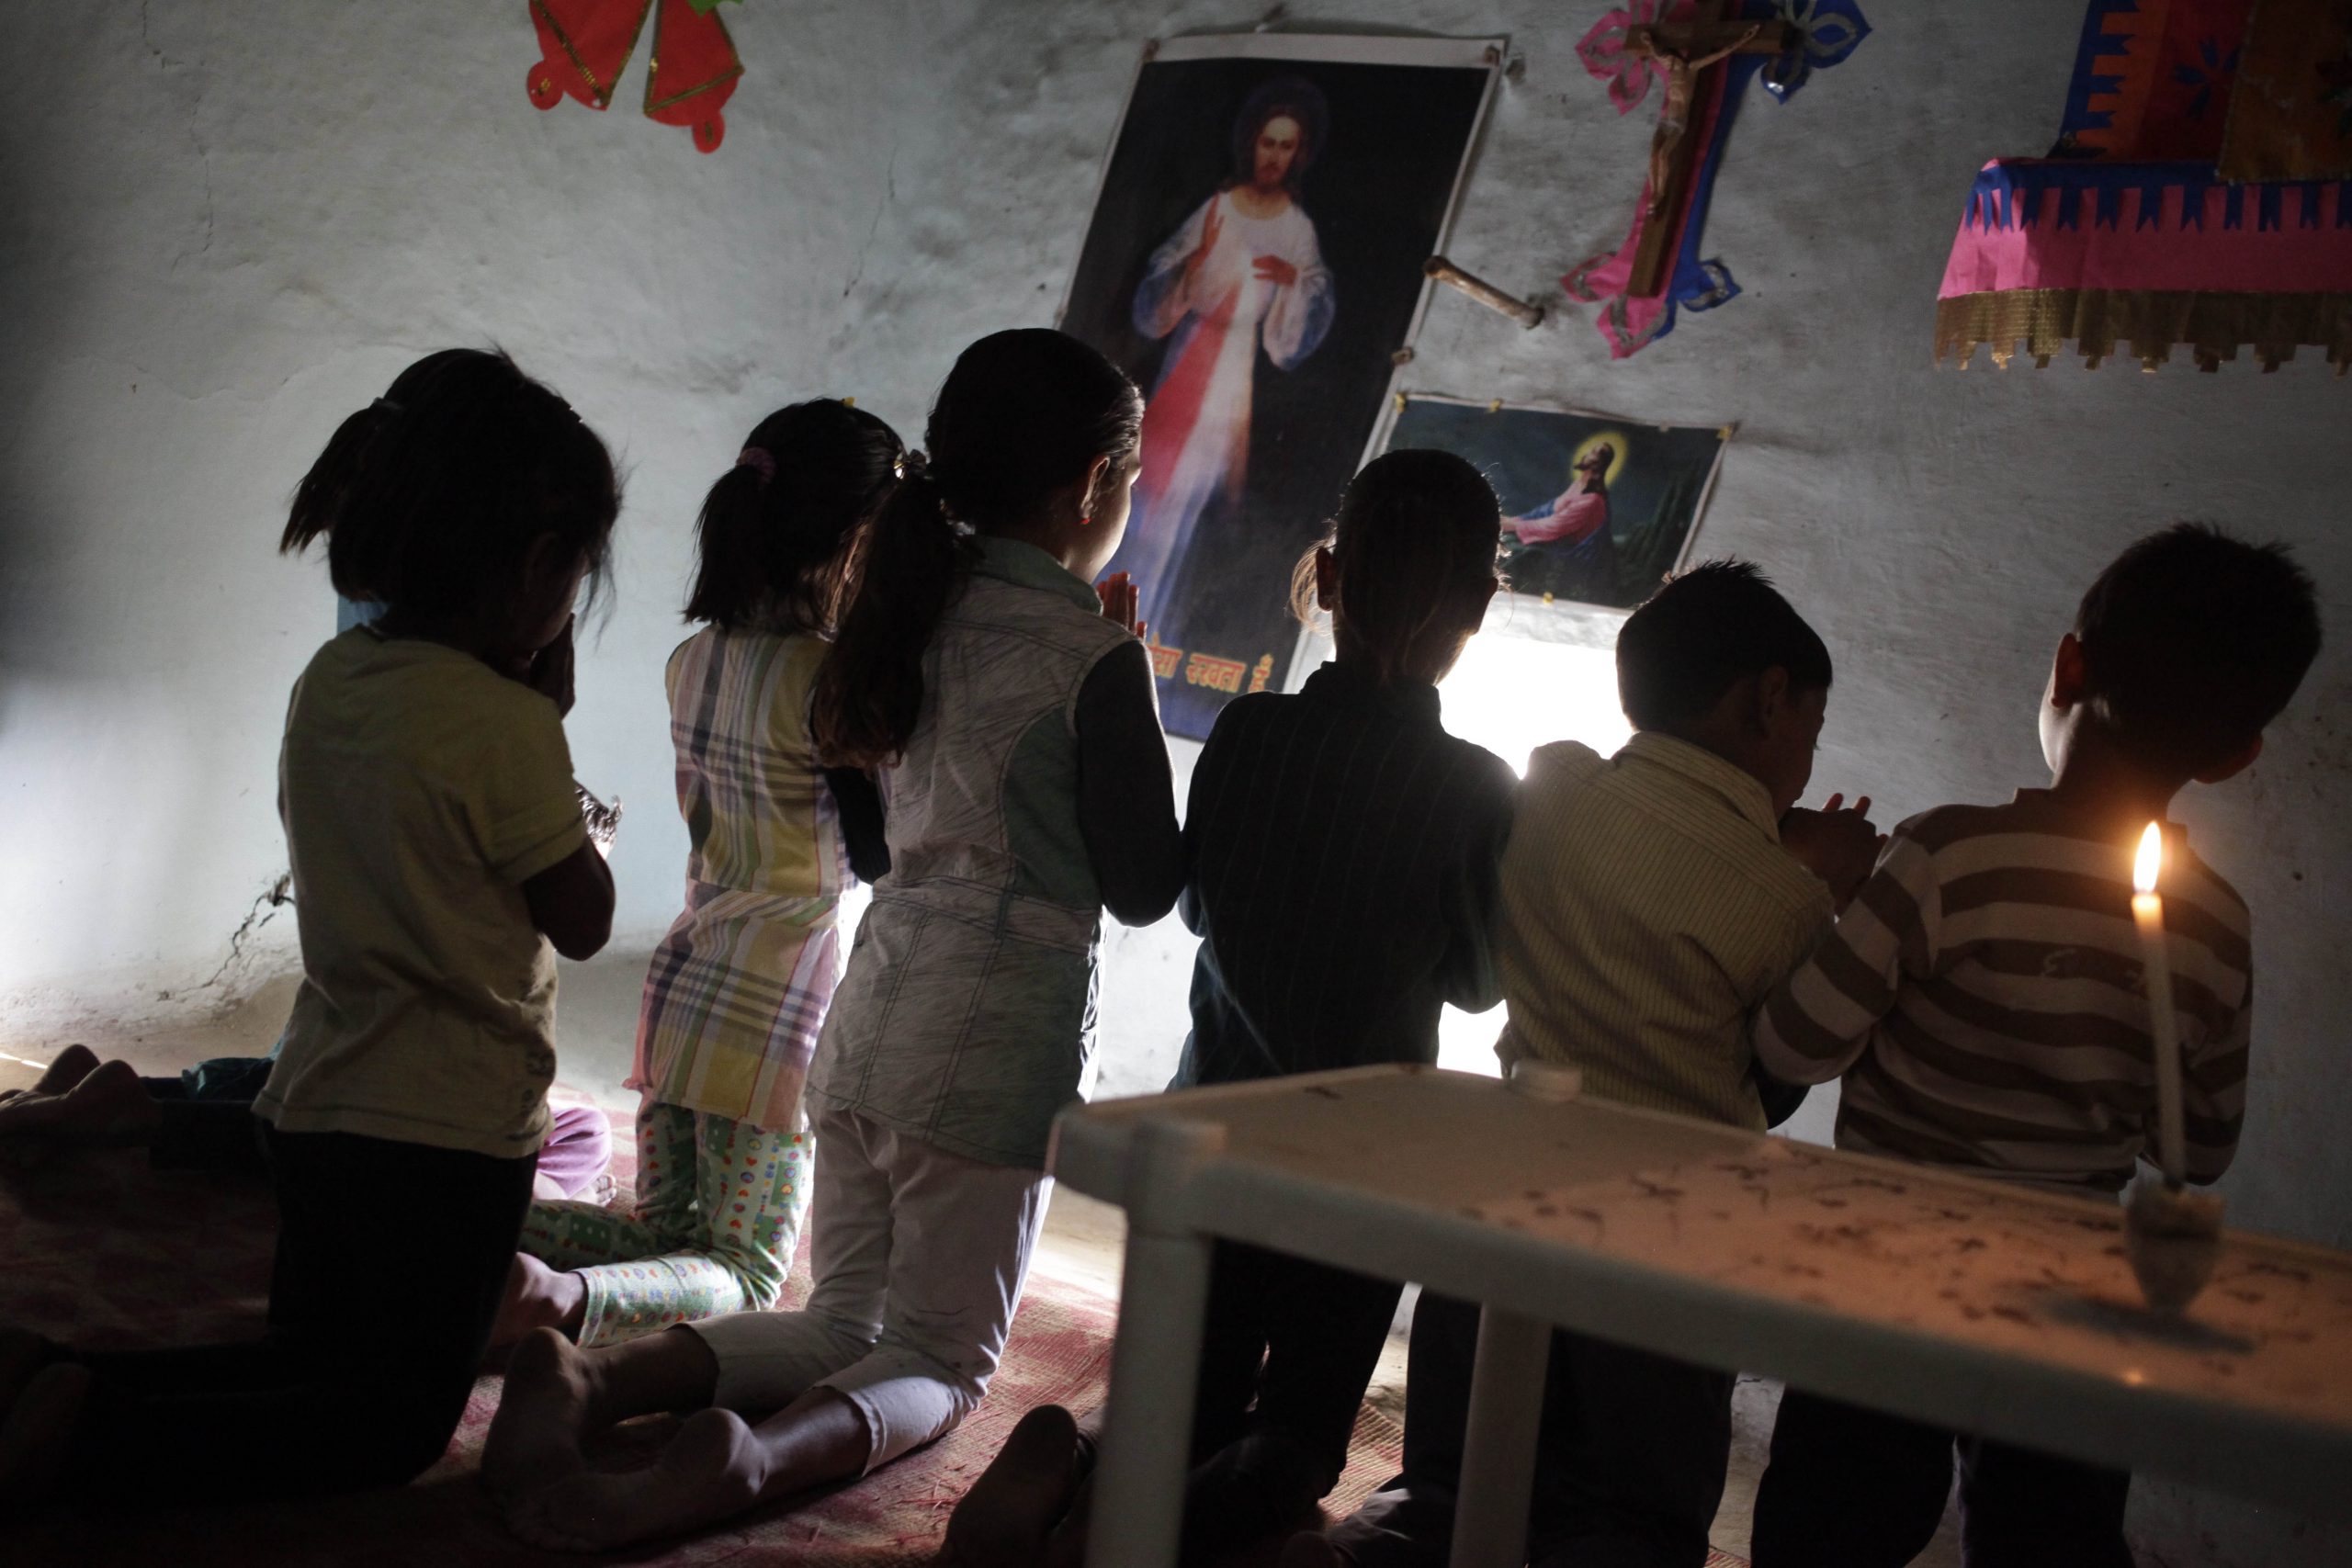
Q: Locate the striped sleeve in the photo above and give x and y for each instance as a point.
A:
(2213, 1097)
(1817, 1024)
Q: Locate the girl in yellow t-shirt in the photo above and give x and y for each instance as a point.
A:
(439, 864)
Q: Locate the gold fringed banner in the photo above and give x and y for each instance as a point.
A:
(2213, 324)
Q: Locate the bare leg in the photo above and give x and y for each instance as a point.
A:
(716, 1466)
(558, 1396)
(539, 1297)
(1004, 1520)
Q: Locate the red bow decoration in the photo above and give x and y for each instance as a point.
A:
(586, 45)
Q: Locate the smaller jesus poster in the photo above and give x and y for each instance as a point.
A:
(1597, 510)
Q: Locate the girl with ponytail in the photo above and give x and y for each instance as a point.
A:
(440, 863)
(740, 985)
(1010, 708)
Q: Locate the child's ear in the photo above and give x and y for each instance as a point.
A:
(1326, 578)
(1486, 592)
(1773, 699)
(2068, 673)
(1091, 496)
(2232, 766)
(540, 559)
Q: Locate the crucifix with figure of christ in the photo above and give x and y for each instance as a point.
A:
(1686, 49)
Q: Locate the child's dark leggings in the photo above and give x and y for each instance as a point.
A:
(1851, 1488)
(1287, 1349)
(391, 1261)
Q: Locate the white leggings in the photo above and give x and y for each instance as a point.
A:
(919, 1256)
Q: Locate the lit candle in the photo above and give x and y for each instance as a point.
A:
(2148, 914)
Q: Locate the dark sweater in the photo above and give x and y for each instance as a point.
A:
(1343, 854)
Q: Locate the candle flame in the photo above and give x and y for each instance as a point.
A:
(2150, 859)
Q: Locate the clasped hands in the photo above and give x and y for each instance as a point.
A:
(1838, 843)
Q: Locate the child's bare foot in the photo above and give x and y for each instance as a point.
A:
(543, 1417)
(539, 1297)
(33, 1437)
(712, 1469)
(106, 1106)
(1004, 1519)
(72, 1065)
(1310, 1550)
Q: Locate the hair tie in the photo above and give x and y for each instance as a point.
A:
(911, 464)
(757, 457)
(386, 404)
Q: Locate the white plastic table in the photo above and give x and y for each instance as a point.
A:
(1987, 1308)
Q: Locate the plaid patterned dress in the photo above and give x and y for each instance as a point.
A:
(739, 989)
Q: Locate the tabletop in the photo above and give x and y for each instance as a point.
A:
(1991, 1308)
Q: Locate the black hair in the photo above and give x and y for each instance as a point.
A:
(1706, 630)
(431, 497)
(1299, 98)
(1416, 531)
(776, 532)
(2193, 641)
(1022, 414)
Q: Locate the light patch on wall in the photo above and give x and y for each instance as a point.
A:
(1511, 694)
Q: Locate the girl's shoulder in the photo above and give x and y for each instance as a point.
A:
(398, 675)
(747, 646)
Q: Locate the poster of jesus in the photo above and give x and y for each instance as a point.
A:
(1243, 275)
(1597, 508)
(1255, 262)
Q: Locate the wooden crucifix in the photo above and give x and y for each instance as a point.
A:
(1686, 49)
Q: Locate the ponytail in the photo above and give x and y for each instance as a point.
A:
(430, 498)
(1022, 414)
(779, 528)
(320, 500)
(1417, 532)
(869, 690)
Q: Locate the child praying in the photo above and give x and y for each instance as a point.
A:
(1343, 852)
(1984, 1000)
(1650, 900)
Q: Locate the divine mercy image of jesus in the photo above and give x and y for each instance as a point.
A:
(1244, 275)
(1255, 262)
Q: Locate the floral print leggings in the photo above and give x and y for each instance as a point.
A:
(718, 1208)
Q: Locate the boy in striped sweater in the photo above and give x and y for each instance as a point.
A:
(1983, 1001)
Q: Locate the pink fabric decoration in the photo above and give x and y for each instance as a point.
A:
(2210, 257)
(1603, 50)
(1628, 322)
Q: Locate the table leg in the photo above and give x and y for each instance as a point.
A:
(1155, 1362)
(1498, 1446)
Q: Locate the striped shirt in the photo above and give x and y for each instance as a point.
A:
(1985, 997)
(1648, 909)
(1343, 852)
(739, 987)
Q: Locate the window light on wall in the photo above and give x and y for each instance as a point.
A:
(1511, 694)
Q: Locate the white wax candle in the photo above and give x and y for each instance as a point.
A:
(2148, 915)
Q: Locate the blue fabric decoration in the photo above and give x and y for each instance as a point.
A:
(2010, 195)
